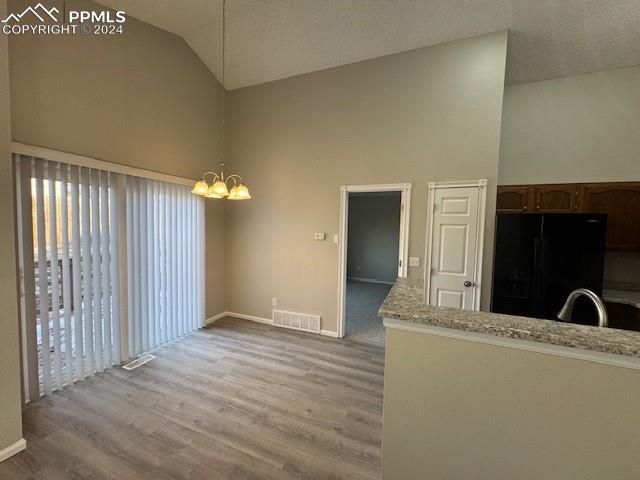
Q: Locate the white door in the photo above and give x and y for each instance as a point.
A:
(455, 241)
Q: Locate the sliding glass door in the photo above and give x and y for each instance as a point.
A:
(111, 267)
(164, 263)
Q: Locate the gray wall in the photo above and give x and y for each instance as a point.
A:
(455, 409)
(10, 407)
(143, 99)
(428, 114)
(374, 232)
(575, 129)
(622, 267)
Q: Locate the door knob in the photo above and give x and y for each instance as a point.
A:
(468, 284)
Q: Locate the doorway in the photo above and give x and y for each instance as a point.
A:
(373, 253)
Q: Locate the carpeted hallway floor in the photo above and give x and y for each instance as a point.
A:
(363, 301)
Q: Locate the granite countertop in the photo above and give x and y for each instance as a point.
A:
(404, 302)
(629, 297)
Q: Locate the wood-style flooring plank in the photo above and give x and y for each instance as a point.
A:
(238, 400)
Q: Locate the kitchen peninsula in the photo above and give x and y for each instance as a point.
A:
(523, 398)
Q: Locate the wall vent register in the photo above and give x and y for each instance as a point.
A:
(138, 362)
(296, 321)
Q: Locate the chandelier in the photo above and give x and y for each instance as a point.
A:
(219, 187)
(220, 184)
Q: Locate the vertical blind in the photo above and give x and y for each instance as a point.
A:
(164, 263)
(111, 267)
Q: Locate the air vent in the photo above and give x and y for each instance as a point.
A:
(138, 362)
(296, 321)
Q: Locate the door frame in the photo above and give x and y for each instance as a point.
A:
(403, 250)
(479, 241)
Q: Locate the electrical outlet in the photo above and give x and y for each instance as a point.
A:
(414, 261)
(274, 302)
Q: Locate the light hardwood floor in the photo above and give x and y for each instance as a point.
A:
(238, 400)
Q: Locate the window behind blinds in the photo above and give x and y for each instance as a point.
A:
(111, 266)
(165, 263)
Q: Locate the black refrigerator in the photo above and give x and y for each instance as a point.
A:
(541, 258)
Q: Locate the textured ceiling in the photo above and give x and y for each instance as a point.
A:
(272, 39)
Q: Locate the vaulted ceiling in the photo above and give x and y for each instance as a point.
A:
(273, 39)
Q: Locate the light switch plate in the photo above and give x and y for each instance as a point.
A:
(319, 236)
(335, 238)
(414, 261)
(274, 302)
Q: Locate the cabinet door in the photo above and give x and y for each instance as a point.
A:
(621, 203)
(513, 198)
(561, 198)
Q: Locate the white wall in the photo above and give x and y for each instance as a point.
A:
(373, 238)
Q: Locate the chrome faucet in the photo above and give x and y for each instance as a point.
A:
(566, 311)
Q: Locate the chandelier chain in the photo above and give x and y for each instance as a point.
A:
(219, 187)
(224, 43)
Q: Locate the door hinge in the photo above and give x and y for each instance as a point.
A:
(400, 262)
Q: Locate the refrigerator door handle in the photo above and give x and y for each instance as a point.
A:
(537, 269)
(542, 274)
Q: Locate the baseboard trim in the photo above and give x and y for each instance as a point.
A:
(369, 280)
(329, 333)
(210, 320)
(11, 450)
(253, 318)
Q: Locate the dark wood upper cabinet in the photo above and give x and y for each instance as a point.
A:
(556, 198)
(621, 203)
(619, 200)
(513, 198)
